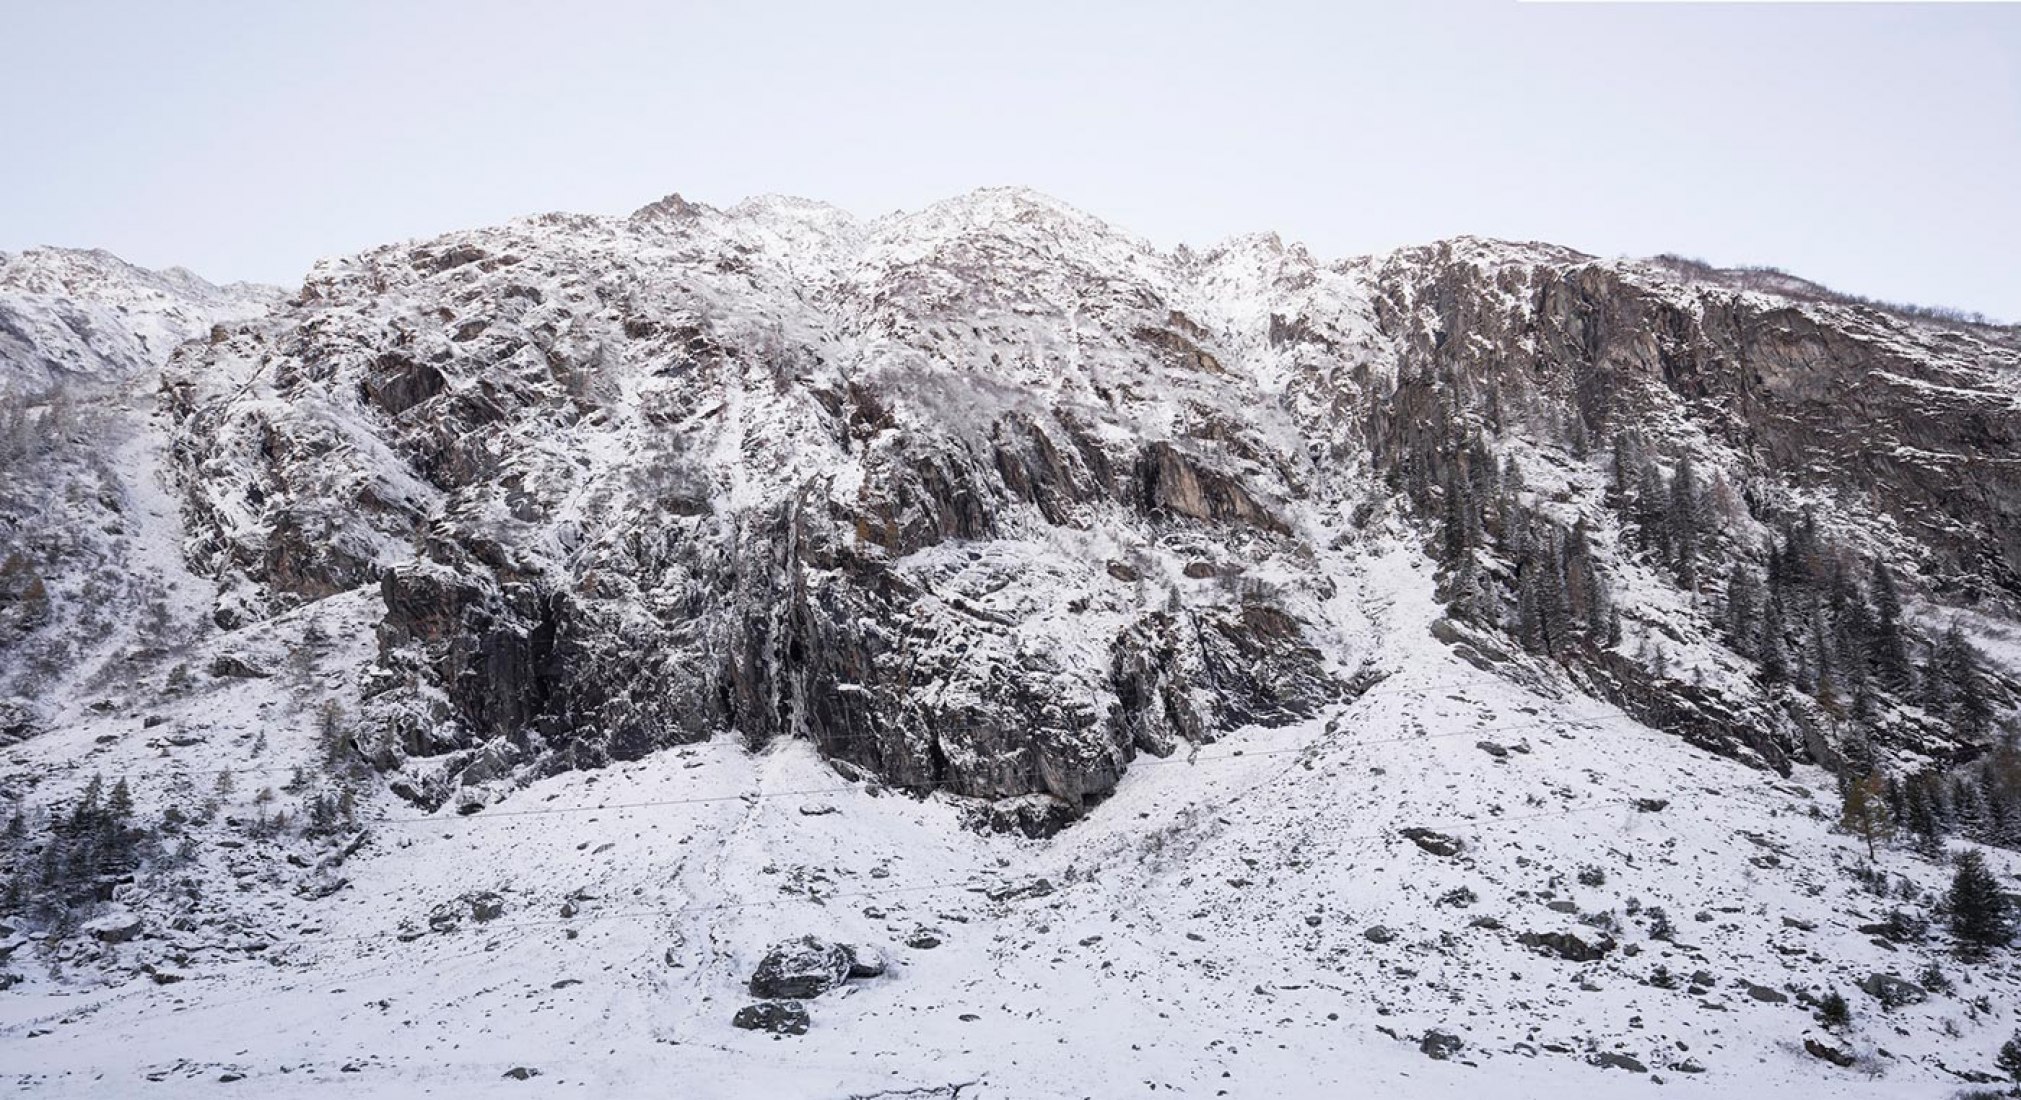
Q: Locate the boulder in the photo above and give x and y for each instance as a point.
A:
(1827, 1053)
(1438, 844)
(1765, 994)
(231, 666)
(777, 1017)
(480, 906)
(1567, 946)
(116, 928)
(866, 961)
(1891, 991)
(1440, 1045)
(802, 968)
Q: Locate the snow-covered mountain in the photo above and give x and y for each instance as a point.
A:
(68, 315)
(91, 567)
(1224, 671)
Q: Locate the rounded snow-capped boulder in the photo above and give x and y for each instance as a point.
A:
(802, 968)
(866, 961)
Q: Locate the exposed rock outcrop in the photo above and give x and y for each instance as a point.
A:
(992, 498)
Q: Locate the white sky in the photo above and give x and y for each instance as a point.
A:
(1876, 148)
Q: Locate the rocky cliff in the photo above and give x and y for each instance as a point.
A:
(994, 497)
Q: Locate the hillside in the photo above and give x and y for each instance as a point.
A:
(1199, 671)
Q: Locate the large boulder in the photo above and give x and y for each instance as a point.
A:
(802, 968)
(115, 928)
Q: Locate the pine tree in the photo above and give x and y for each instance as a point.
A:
(2009, 1060)
(1621, 475)
(1584, 586)
(1552, 601)
(1652, 498)
(1890, 655)
(1529, 610)
(1977, 908)
(1920, 812)
(331, 735)
(1743, 610)
(1454, 525)
(1685, 522)
(1770, 649)
(119, 804)
(1965, 704)
(1834, 1012)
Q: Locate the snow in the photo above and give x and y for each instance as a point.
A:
(1205, 928)
(686, 866)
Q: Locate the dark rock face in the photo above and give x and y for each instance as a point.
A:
(863, 554)
(802, 968)
(1897, 413)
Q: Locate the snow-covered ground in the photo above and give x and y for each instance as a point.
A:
(1206, 932)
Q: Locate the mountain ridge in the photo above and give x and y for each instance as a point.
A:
(1288, 643)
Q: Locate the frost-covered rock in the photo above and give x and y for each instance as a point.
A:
(992, 498)
(1567, 946)
(777, 1017)
(115, 927)
(802, 968)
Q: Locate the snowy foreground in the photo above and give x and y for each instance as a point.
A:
(1209, 931)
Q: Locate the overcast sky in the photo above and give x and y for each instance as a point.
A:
(1876, 148)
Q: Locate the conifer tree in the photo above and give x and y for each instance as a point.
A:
(1977, 908)
(1890, 656)
(2009, 1060)
(1743, 610)
(1920, 811)
(1685, 522)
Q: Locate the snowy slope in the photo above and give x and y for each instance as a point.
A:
(1206, 931)
(70, 316)
(1061, 617)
